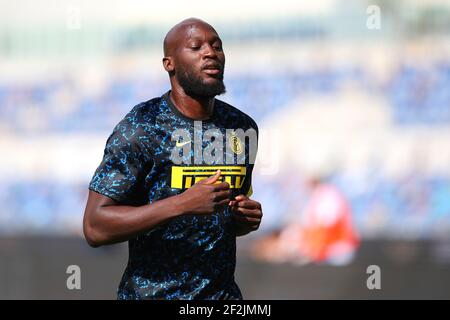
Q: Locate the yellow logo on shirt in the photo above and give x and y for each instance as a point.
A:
(185, 177)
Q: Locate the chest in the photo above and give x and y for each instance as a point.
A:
(186, 154)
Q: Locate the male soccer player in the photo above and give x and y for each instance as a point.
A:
(180, 203)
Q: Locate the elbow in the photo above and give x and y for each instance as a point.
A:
(92, 242)
(92, 235)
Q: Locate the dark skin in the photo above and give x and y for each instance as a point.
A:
(192, 43)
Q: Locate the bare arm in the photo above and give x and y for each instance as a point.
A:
(107, 222)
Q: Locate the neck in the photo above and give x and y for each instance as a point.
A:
(197, 108)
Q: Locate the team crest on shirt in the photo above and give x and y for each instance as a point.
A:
(236, 144)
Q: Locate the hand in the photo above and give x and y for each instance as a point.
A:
(247, 214)
(206, 196)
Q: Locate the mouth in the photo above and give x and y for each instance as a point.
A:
(212, 69)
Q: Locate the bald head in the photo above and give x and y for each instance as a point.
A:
(194, 59)
(179, 31)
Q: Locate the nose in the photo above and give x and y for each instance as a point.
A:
(209, 52)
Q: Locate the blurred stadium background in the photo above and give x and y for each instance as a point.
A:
(370, 106)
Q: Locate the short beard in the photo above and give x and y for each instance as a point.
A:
(195, 87)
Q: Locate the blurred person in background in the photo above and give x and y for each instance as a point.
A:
(322, 233)
(181, 221)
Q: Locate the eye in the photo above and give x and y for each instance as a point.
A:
(217, 46)
(194, 45)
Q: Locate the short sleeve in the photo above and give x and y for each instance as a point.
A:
(121, 174)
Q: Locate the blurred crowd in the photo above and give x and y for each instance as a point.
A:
(417, 96)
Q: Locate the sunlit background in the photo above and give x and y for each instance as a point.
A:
(357, 91)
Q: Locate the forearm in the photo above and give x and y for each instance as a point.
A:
(115, 223)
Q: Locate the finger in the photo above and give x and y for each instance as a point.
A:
(223, 202)
(249, 204)
(222, 186)
(247, 220)
(256, 213)
(212, 179)
(222, 195)
(234, 209)
(241, 197)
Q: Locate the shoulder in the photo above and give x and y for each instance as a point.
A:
(236, 116)
(138, 123)
(144, 113)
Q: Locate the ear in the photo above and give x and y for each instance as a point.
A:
(168, 64)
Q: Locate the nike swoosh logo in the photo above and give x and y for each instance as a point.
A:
(180, 144)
